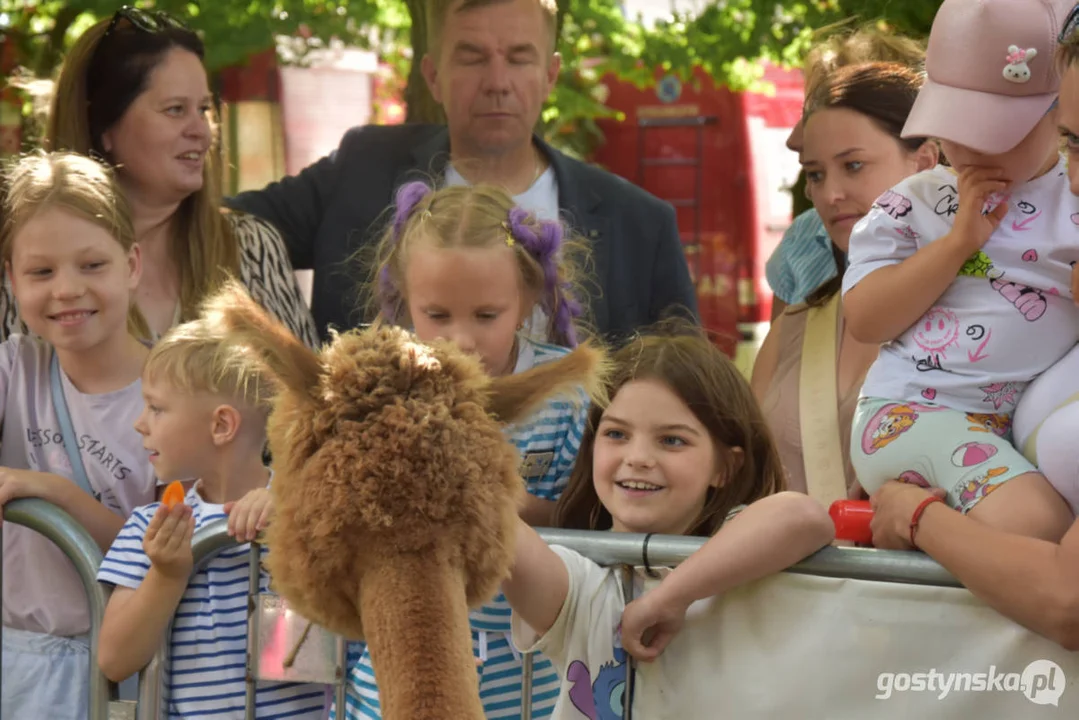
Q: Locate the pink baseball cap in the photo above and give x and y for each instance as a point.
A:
(992, 72)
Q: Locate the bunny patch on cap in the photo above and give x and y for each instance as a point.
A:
(1017, 70)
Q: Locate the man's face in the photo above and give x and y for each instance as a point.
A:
(493, 72)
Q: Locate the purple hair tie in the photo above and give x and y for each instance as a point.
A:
(407, 198)
(558, 301)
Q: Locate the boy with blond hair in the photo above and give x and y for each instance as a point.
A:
(207, 402)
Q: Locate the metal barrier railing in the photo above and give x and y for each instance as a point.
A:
(608, 548)
(604, 548)
(207, 542)
(63, 531)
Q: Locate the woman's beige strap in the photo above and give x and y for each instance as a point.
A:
(818, 405)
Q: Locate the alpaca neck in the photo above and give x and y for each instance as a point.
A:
(415, 620)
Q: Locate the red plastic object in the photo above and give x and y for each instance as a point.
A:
(851, 518)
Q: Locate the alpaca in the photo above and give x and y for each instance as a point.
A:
(395, 492)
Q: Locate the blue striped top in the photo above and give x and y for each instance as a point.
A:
(208, 652)
(803, 261)
(547, 441)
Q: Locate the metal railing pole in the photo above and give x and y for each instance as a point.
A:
(64, 532)
(151, 698)
(209, 540)
(254, 560)
(341, 691)
(608, 548)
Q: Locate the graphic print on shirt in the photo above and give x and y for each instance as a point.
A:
(973, 453)
(604, 698)
(906, 231)
(1028, 214)
(977, 265)
(937, 331)
(1030, 302)
(997, 424)
(89, 447)
(536, 464)
(889, 423)
(913, 477)
(894, 204)
(948, 204)
(978, 487)
(1000, 394)
(46, 453)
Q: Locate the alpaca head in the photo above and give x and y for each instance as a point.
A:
(384, 446)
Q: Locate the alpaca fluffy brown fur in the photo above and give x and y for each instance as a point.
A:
(395, 493)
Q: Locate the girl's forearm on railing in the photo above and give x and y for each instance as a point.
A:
(765, 538)
(135, 624)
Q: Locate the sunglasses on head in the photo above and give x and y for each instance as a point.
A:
(1071, 24)
(150, 21)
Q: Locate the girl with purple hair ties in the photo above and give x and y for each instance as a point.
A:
(466, 264)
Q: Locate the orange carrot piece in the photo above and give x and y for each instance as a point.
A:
(174, 494)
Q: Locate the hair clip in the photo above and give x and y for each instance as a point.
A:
(510, 241)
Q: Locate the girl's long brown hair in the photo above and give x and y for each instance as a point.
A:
(720, 398)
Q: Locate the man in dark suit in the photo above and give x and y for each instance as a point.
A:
(491, 66)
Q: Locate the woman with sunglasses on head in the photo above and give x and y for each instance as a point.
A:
(133, 91)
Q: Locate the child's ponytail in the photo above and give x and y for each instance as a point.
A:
(543, 241)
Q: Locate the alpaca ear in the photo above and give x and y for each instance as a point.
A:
(233, 313)
(515, 397)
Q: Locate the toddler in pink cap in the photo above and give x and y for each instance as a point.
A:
(963, 273)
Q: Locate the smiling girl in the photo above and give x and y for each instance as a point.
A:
(681, 446)
(69, 395)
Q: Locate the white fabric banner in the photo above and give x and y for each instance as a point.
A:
(814, 648)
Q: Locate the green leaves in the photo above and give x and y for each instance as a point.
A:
(725, 39)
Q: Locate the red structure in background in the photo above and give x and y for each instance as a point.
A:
(719, 157)
(257, 79)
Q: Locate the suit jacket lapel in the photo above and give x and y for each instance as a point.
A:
(429, 160)
(580, 207)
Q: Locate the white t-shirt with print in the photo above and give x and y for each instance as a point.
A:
(42, 591)
(585, 646)
(1006, 318)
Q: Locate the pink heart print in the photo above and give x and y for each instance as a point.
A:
(929, 394)
(1030, 256)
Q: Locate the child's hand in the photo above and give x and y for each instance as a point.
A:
(649, 623)
(248, 515)
(978, 186)
(15, 484)
(168, 541)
